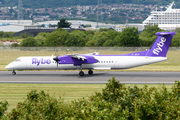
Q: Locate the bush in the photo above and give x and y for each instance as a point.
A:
(25, 35)
(6, 34)
(76, 39)
(3, 108)
(116, 101)
(148, 35)
(129, 38)
(29, 42)
(15, 45)
(41, 37)
(38, 106)
(176, 41)
(56, 38)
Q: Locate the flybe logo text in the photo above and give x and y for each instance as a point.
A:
(40, 61)
(159, 46)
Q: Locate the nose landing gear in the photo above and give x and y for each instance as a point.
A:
(13, 72)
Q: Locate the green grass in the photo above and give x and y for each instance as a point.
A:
(14, 93)
(172, 64)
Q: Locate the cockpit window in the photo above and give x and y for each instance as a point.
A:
(17, 60)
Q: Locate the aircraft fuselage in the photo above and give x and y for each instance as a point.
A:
(104, 62)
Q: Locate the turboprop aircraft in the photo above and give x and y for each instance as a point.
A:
(94, 61)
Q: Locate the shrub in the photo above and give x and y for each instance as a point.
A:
(116, 101)
(76, 39)
(3, 108)
(120, 102)
(56, 38)
(15, 45)
(129, 38)
(38, 106)
(41, 37)
(25, 35)
(29, 42)
(6, 34)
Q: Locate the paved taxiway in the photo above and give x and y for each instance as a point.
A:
(99, 77)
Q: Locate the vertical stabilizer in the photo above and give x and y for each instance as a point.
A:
(161, 45)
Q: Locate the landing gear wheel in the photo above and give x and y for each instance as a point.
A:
(14, 73)
(81, 73)
(90, 72)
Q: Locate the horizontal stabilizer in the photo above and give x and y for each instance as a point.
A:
(166, 33)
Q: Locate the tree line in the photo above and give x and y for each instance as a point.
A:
(129, 37)
(116, 101)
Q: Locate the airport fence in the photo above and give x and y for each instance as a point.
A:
(73, 48)
(67, 49)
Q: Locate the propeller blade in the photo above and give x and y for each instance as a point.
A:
(56, 60)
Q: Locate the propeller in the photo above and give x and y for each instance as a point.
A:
(56, 60)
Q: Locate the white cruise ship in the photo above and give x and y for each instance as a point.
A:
(167, 20)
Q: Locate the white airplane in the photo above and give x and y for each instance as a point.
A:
(93, 61)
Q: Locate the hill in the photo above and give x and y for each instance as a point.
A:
(65, 3)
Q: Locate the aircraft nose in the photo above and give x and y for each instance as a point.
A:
(9, 66)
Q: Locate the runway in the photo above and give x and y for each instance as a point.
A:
(99, 77)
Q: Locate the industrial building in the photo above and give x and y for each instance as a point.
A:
(14, 25)
(28, 25)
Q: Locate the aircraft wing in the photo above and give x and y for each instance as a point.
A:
(77, 59)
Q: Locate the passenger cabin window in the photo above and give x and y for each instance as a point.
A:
(17, 60)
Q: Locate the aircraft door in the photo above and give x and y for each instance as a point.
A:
(28, 63)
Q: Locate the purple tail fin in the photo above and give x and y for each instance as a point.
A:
(161, 45)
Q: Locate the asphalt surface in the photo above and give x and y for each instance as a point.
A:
(72, 77)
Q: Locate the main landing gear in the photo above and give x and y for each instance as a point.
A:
(81, 73)
(90, 72)
(13, 72)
